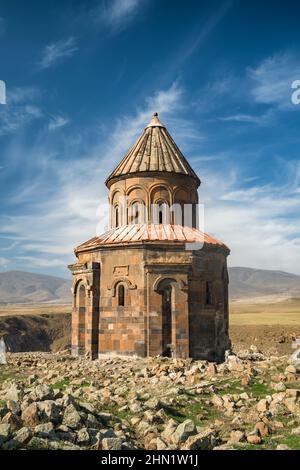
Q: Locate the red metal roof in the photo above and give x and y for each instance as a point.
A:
(150, 233)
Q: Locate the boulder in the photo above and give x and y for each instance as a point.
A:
(204, 440)
(45, 430)
(49, 411)
(262, 429)
(235, 437)
(71, 417)
(253, 439)
(30, 415)
(5, 432)
(43, 392)
(14, 393)
(183, 431)
(112, 443)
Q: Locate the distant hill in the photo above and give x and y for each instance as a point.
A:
(248, 282)
(23, 287)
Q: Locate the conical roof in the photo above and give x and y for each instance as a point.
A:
(154, 151)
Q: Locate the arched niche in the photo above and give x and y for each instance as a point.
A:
(137, 212)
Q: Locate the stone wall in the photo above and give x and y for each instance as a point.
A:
(198, 329)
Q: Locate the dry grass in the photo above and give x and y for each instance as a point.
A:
(32, 309)
(285, 312)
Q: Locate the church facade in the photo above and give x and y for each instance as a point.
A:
(153, 284)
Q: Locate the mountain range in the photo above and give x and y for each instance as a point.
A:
(26, 287)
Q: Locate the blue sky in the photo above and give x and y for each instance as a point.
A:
(83, 78)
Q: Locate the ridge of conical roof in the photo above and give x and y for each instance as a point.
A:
(154, 151)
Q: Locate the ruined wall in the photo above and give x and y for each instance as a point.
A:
(199, 328)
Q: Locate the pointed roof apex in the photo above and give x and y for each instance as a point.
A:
(155, 122)
(154, 151)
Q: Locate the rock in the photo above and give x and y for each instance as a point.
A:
(87, 407)
(290, 370)
(169, 430)
(135, 407)
(262, 405)
(30, 415)
(252, 354)
(282, 447)
(44, 430)
(204, 440)
(83, 437)
(183, 431)
(105, 418)
(234, 363)
(291, 405)
(13, 406)
(49, 411)
(12, 419)
(112, 443)
(92, 422)
(5, 432)
(153, 404)
(244, 396)
(262, 429)
(14, 393)
(39, 443)
(43, 392)
(253, 439)
(236, 436)
(211, 369)
(71, 417)
(217, 401)
(296, 431)
(160, 445)
(278, 387)
(23, 436)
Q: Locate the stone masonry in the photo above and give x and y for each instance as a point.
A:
(153, 284)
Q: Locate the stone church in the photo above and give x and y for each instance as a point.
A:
(153, 284)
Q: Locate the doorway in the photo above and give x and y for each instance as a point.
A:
(81, 318)
(167, 321)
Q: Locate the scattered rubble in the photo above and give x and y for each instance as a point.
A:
(55, 401)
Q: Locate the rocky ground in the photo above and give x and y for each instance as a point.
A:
(54, 401)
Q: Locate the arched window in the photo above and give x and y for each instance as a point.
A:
(117, 216)
(135, 213)
(81, 297)
(209, 293)
(160, 214)
(121, 295)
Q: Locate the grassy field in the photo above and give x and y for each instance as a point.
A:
(286, 312)
(30, 309)
(268, 325)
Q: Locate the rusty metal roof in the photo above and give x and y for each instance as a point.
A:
(150, 233)
(154, 151)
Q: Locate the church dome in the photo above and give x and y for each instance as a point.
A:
(154, 151)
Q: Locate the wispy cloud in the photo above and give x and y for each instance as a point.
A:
(67, 204)
(118, 14)
(57, 52)
(56, 122)
(260, 224)
(4, 262)
(20, 109)
(266, 118)
(272, 79)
